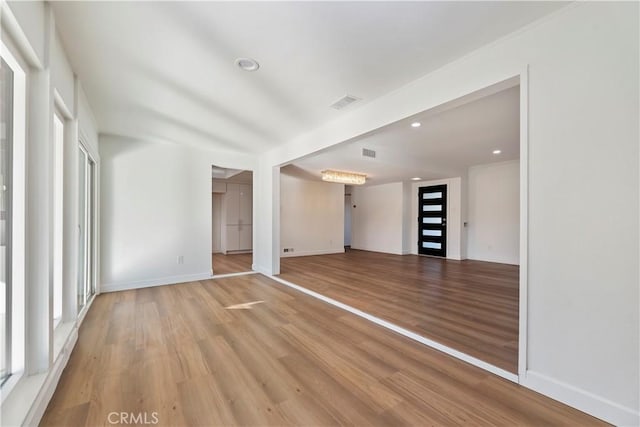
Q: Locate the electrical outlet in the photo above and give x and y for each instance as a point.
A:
(286, 250)
(180, 259)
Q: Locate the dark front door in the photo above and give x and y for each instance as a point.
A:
(432, 220)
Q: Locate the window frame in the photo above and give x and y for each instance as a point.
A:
(16, 313)
(7, 182)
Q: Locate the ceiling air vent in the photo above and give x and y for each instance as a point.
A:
(344, 101)
(368, 153)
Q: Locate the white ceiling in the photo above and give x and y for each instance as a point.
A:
(231, 175)
(165, 70)
(447, 143)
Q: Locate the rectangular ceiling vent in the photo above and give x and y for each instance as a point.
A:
(344, 101)
(368, 153)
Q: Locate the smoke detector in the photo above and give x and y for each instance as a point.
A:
(247, 64)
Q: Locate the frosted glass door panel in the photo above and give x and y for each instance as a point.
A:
(430, 196)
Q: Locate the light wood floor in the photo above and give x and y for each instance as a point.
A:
(471, 306)
(288, 360)
(231, 263)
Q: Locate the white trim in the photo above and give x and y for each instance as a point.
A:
(61, 336)
(148, 283)
(581, 399)
(222, 276)
(311, 253)
(85, 310)
(12, 27)
(49, 387)
(9, 384)
(378, 251)
(524, 222)
(405, 332)
(60, 108)
(31, 395)
(16, 317)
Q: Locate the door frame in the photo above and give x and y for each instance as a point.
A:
(517, 73)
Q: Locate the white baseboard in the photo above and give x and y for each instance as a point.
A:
(493, 260)
(580, 399)
(378, 250)
(160, 281)
(311, 253)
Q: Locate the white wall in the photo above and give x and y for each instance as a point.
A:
(88, 126)
(32, 18)
(312, 215)
(454, 215)
(156, 200)
(347, 219)
(409, 217)
(216, 222)
(62, 75)
(377, 219)
(582, 116)
(493, 229)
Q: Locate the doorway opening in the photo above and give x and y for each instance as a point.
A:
(231, 220)
(445, 183)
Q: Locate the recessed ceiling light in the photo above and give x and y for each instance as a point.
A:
(497, 151)
(247, 64)
(416, 178)
(415, 124)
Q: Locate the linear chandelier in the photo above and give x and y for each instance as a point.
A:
(343, 177)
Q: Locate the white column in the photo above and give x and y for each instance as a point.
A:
(70, 223)
(38, 224)
(266, 184)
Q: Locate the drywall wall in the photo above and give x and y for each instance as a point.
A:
(88, 128)
(312, 215)
(454, 215)
(377, 218)
(156, 200)
(348, 206)
(216, 222)
(408, 218)
(493, 218)
(32, 17)
(582, 116)
(61, 73)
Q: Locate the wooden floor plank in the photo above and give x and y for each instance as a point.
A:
(231, 263)
(180, 352)
(470, 306)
